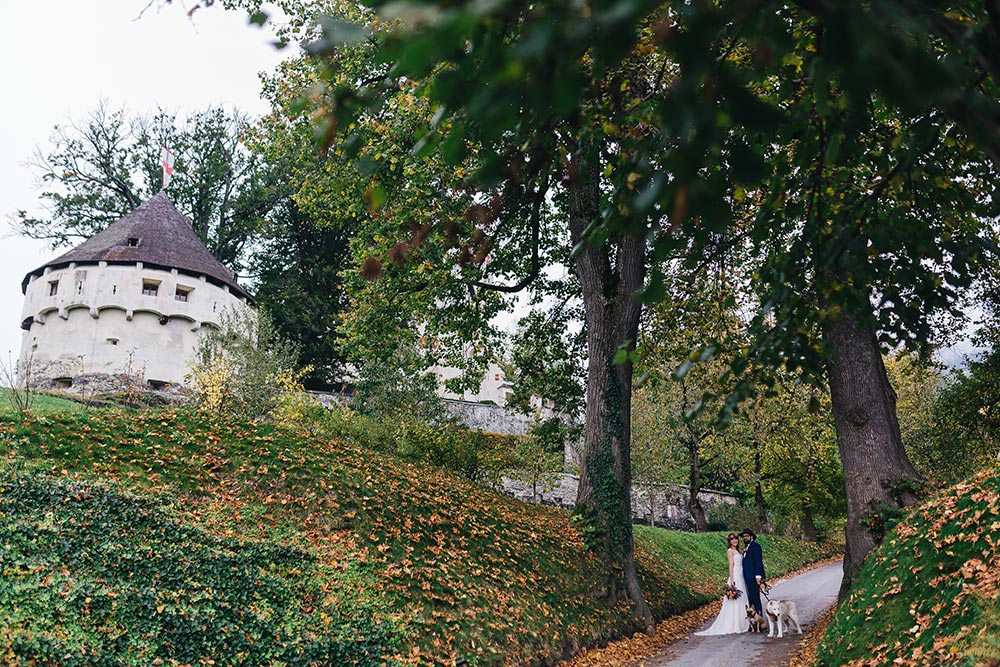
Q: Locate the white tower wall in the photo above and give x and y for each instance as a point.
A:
(95, 318)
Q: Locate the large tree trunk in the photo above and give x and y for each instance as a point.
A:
(877, 473)
(694, 487)
(808, 525)
(610, 273)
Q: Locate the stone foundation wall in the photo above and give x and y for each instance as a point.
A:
(488, 417)
(94, 385)
(669, 501)
(498, 419)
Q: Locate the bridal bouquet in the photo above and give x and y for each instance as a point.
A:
(731, 592)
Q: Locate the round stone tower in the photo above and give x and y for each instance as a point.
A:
(134, 299)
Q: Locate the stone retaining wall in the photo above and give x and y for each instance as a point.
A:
(486, 417)
(669, 501)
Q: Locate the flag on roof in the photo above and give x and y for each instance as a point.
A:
(167, 158)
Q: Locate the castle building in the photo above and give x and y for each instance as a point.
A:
(133, 299)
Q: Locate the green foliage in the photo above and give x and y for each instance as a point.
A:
(848, 178)
(238, 368)
(732, 517)
(543, 450)
(927, 595)
(397, 387)
(305, 244)
(962, 432)
(375, 203)
(882, 520)
(790, 428)
(298, 284)
(675, 429)
(95, 576)
(917, 383)
(547, 362)
(477, 456)
(658, 455)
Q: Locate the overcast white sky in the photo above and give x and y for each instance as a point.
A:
(61, 57)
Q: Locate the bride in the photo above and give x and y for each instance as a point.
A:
(732, 617)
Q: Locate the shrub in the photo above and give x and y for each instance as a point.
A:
(476, 455)
(732, 517)
(396, 388)
(238, 367)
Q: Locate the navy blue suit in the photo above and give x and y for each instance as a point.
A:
(753, 567)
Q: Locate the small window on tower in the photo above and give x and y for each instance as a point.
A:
(150, 289)
(182, 294)
(133, 242)
(53, 287)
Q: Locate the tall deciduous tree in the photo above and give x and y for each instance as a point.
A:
(683, 371)
(297, 280)
(843, 274)
(100, 168)
(543, 191)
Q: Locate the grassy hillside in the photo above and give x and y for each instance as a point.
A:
(929, 594)
(40, 403)
(126, 528)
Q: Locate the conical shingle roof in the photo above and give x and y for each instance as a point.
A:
(156, 234)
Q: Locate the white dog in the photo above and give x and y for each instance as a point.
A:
(780, 612)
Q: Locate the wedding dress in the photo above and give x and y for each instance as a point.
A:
(732, 617)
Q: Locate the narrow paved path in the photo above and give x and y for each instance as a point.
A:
(814, 592)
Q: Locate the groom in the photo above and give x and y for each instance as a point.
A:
(753, 568)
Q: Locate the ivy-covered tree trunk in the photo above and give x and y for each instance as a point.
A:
(878, 476)
(610, 273)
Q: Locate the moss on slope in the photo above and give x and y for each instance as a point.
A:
(929, 594)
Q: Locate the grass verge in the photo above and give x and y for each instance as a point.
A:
(41, 403)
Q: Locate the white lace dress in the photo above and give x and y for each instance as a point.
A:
(732, 617)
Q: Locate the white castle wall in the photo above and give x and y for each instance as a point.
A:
(492, 389)
(99, 321)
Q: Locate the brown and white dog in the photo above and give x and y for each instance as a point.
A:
(757, 622)
(780, 612)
